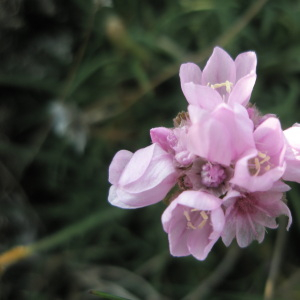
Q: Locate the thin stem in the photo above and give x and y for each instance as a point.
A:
(276, 260)
(217, 276)
(20, 252)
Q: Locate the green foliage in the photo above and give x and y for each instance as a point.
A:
(112, 69)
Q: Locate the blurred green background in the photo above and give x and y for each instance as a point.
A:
(82, 79)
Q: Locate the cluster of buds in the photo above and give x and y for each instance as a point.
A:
(221, 168)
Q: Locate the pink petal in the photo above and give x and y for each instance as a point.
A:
(178, 236)
(292, 156)
(125, 199)
(245, 64)
(242, 90)
(217, 220)
(118, 164)
(269, 136)
(147, 168)
(210, 139)
(202, 96)
(246, 231)
(199, 200)
(244, 179)
(189, 72)
(280, 187)
(229, 230)
(219, 68)
(199, 243)
(115, 200)
(160, 135)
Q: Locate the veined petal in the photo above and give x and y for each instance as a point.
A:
(147, 168)
(219, 68)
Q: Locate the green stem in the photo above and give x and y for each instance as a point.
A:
(56, 239)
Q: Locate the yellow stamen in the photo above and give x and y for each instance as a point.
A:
(190, 225)
(265, 160)
(258, 163)
(204, 215)
(227, 84)
(262, 155)
(257, 166)
(202, 224)
(186, 214)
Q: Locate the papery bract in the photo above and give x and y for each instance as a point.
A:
(248, 214)
(142, 178)
(222, 80)
(292, 156)
(194, 222)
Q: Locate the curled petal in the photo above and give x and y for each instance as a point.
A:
(118, 164)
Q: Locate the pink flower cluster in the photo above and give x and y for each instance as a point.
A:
(220, 169)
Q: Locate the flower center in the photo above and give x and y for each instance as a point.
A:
(192, 218)
(228, 85)
(212, 175)
(259, 164)
(245, 204)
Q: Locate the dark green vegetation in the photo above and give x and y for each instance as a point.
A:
(111, 74)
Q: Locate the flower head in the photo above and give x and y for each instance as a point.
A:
(221, 167)
(222, 80)
(194, 222)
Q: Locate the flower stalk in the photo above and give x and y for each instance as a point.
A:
(21, 252)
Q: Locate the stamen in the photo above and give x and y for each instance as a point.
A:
(190, 225)
(262, 155)
(202, 224)
(186, 214)
(227, 84)
(203, 215)
(257, 166)
(258, 163)
(265, 160)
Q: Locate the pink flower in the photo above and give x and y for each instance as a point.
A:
(222, 135)
(260, 168)
(292, 156)
(142, 178)
(248, 214)
(194, 222)
(222, 80)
